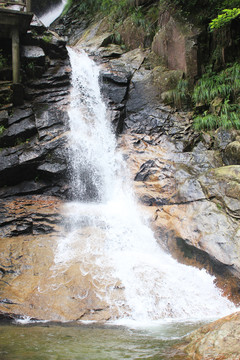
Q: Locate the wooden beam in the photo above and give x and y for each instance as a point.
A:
(2, 2)
(15, 56)
(28, 5)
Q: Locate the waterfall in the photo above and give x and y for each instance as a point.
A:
(53, 13)
(105, 232)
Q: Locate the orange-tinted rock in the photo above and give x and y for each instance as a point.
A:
(34, 282)
(176, 43)
(216, 341)
(196, 231)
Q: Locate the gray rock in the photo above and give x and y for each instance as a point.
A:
(20, 114)
(52, 168)
(18, 132)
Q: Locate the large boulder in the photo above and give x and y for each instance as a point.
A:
(232, 153)
(176, 43)
(218, 340)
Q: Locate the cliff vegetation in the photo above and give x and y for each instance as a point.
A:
(209, 85)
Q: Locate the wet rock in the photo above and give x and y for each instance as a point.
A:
(24, 215)
(170, 184)
(26, 187)
(218, 340)
(114, 87)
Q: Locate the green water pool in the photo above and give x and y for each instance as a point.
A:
(84, 342)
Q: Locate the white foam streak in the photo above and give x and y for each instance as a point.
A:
(106, 233)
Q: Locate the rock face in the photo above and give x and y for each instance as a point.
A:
(34, 135)
(179, 177)
(219, 340)
(30, 282)
(177, 43)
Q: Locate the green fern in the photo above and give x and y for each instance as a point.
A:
(226, 86)
(181, 94)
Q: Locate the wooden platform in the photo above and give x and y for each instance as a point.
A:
(13, 18)
(13, 23)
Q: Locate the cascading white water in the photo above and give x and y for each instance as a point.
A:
(106, 233)
(53, 13)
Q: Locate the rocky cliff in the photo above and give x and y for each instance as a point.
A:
(188, 182)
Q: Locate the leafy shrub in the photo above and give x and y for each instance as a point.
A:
(225, 18)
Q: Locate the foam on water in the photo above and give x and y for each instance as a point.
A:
(107, 231)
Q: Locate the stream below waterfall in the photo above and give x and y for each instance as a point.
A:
(92, 342)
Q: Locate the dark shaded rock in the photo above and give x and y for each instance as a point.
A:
(19, 114)
(21, 163)
(116, 93)
(53, 86)
(21, 131)
(5, 95)
(3, 118)
(53, 46)
(141, 92)
(47, 117)
(231, 155)
(24, 188)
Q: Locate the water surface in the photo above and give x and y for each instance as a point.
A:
(76, 342)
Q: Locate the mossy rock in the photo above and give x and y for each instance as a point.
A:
(166, 80)
(232, 153)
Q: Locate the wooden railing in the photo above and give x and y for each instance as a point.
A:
(25, 5)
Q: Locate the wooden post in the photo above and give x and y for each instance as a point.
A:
(15, 56)
(28, 5)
